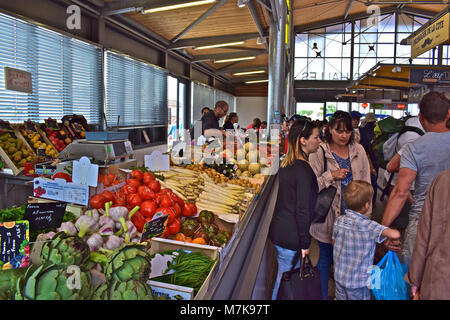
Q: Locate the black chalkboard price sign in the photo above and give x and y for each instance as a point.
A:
(45, 215)
(14, 245)
(154, 228)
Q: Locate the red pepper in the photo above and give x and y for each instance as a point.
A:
(138, 221)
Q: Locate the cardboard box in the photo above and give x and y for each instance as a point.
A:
(185, 293)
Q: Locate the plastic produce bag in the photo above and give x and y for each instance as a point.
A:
(387, 280)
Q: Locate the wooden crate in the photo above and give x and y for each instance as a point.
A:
(8, 162)
(43, 137)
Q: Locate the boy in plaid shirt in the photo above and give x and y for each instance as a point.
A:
(354, 240)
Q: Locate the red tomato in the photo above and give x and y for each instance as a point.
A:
(107, 181)
(158, 197)
(97, 202)
(138, 221)
(155, 186)
(108, 195)
(62, 175)
(148, 208)
(137, 174)
(133, 182)
(168, 211)
(174, 197)
(166, 233)
(127, 189)
(166, 202)
(145, 193)
(148, 177)
(174, 227)
(180, 202)
(194, 208)
(166, 191)
(120, 202)
(134, 200)
(177, 209)
(187, 210)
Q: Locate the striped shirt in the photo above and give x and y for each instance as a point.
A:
(354, 238)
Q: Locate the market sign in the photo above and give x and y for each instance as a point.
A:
(14, 245)
(155, 227)
(429, 76)
(45, 215)
(435, 34)
(18, 80)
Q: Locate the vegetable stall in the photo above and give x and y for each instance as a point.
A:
(185, 233)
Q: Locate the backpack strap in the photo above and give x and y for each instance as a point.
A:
(409, 128)
(325, 164)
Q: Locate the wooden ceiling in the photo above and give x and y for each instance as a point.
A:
(229, 19)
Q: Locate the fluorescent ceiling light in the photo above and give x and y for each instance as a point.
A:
(178, 6)
(248, 72)
(235, 59)
(220, 45)
(256, 81)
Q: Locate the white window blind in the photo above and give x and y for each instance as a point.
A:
(66, 73)
(202, 96)
(135, 91)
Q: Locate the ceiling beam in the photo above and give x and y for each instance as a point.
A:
(242, 48)
(122, 6)
(257, 21)
(234, 70)
(418, 12)
(207, 41)
(200, 19)
(261, 2)
(347, 10)
(337, 20)
(228, 55)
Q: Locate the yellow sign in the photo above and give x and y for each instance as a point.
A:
(432, 36)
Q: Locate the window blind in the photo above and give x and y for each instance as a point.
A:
(202, 96)
(135, 91)
(66, 73)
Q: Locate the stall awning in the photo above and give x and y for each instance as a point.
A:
(402, 76)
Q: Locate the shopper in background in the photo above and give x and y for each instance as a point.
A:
(429, 269)
(356, 116)
(230, 120)
(191, 131)
(297, 195)
(263, 125)
(210, 120)
(367, 135)
(354, 238)
(421, 161)
(291, 120)
(346, 161)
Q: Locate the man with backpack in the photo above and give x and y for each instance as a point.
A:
(421, 161)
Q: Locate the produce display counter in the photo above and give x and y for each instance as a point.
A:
(23, 185)
(236, 276)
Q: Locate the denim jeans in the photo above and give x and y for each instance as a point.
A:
(284, 258)
(343, 293)
(324, 266)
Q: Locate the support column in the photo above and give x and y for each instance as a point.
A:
(277, 57)
(440, 54)
(289, 104)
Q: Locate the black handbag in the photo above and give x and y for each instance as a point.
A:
(302, 283)
(324, 198)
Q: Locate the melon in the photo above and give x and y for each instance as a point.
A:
(249, 147)
(243, 165)
(252, 156)
(254, 168)
(246, 174)
(240, 154)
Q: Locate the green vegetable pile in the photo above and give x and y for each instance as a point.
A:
(191, 269)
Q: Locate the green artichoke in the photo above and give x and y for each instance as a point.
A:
(128, 290)
(8, 279)
(131, 262)
(51, 282)
(66, 250)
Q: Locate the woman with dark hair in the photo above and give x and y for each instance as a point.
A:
(230, 120)
(297, 195)
(346, 161)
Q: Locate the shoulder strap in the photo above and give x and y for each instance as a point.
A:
(325, 165)
(410, 128)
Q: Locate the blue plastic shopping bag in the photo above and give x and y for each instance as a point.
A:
(387, 280)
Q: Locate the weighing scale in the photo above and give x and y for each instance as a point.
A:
(100, 152)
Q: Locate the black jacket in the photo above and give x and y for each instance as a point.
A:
(297, 196)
